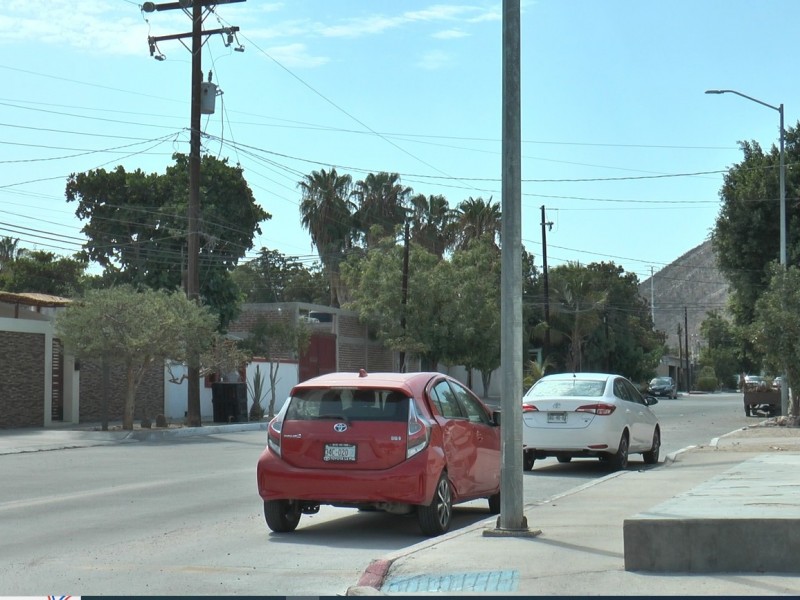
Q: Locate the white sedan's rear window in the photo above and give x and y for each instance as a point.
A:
(592, 388)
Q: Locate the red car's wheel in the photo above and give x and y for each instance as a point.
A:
(282, 515)
(435, 518)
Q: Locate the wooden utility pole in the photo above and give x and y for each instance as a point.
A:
(686, 344)
(193, 417)
(680, 356)
(404, 296)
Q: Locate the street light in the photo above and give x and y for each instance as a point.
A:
(779, 108)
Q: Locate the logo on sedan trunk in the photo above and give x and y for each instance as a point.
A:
(340, 427)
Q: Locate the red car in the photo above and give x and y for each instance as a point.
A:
(398, 442)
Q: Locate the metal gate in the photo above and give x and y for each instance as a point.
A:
(320, 358)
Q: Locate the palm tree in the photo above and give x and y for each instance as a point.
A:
(9, 251)
(433, 223)
(327, 214)
(382, 201)
(478, 217)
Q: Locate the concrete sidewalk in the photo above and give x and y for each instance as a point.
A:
(749, 476)
(14, 441)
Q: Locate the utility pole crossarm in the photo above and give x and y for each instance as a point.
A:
(180, 36)
(149, 7)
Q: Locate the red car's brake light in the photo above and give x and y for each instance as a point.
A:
(529, 407)
(597, 409)
(274, 434)
(418, 434)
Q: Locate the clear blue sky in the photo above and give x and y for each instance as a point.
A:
(619, 141)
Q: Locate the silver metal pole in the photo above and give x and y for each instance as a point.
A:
(782, 175)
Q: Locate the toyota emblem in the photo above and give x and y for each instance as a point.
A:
(340, 427)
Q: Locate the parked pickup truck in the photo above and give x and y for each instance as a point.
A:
(758, 403)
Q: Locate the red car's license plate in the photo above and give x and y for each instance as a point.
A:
(339, 453)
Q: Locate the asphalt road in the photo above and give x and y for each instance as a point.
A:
(184, 517)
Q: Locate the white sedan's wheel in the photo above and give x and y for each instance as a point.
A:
(651, 456)
(619, 460)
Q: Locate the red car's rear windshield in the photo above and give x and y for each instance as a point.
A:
(348, 403)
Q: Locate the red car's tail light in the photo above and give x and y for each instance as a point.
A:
(419, 433)
(274, 434)
(529, 407)
(597, 409)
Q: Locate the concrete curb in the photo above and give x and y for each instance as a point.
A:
(148, 435)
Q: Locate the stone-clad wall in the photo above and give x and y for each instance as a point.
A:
(22, 383)
(149, 395)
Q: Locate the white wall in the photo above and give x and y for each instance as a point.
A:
(460, 373)
(175, 394)
(287, 379)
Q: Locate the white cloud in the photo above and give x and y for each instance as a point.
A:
(357, 27)
(100, 27)
(440, 12)
(377, 24)
(449, 34)
(296, 55)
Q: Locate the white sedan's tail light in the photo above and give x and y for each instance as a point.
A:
(529, 407)
(600, 408)
(419, 433)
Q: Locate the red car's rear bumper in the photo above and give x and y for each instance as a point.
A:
(411, 482)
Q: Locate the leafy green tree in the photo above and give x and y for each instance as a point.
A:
(721, 350)
(421, 326)
(136, 226)
(746, 235)
(777, 327)
(274, 277)
(44, 273)
(326, 212)
(272, 339)
(576, 308)
(625, 340)
(381, 202)
(475, 312)
(134, 329)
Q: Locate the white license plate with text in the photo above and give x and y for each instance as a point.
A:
(340, 453)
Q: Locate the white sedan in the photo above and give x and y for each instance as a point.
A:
(588, 415)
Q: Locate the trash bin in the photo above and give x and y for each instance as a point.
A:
(229, 401)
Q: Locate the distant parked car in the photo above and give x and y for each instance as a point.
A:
(753, 383)
(776, 383)
(594, 415)
(663, 386)
(404, 443)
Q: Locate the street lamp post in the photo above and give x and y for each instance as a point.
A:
(782, 175)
